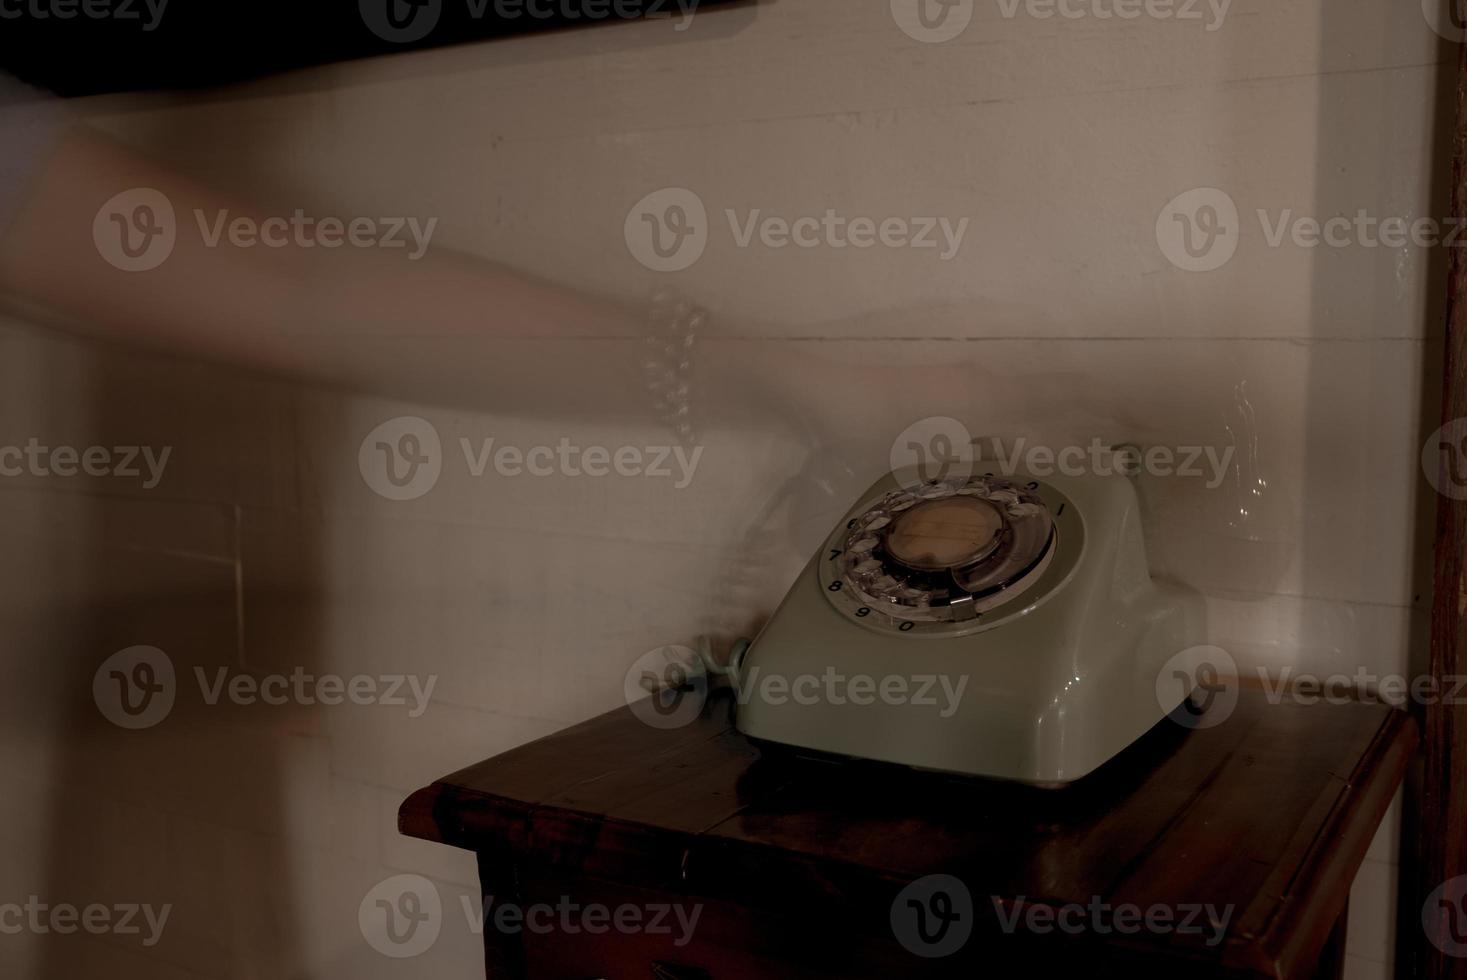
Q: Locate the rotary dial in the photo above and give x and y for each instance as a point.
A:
(941, 553)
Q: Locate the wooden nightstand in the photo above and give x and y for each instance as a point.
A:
(797, 868)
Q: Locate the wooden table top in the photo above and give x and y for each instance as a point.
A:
(1269, 813)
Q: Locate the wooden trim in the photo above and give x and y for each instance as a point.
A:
(1443, 813)
(1304, 928)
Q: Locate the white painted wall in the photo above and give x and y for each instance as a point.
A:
(1061, 319)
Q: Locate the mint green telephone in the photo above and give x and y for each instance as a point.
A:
(1001, 626)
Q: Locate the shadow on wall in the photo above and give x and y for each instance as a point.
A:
(158, 797)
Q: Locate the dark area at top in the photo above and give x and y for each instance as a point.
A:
(85, 47)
